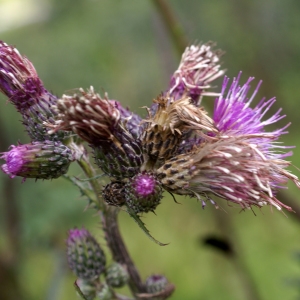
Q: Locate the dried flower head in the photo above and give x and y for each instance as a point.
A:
(199, 66)
(103, 124)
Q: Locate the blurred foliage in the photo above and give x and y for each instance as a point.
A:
(122, 47)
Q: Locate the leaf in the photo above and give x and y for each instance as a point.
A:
(89, 193)
(137, 219)
(79, 291)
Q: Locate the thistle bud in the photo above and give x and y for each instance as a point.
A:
(85, 256)
(113, 193)
(116, 275)
(19, 81)
(199, 66)
(103, 125)
(105, 293)
(143, 192)
(156, 283)
(40, 160)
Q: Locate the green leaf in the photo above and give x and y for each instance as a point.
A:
(137, 219)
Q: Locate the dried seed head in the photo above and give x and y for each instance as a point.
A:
(172, 120)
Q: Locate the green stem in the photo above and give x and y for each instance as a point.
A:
(174, 27)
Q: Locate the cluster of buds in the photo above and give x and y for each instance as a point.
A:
(87, 260)
(46, 157)
(179, 148)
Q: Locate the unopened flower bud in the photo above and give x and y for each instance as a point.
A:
(85, 256)
(116, 275)
(105, 293)
(19, 81)
(113, 193)
(40, 160)
(156, 283)
(143, 192)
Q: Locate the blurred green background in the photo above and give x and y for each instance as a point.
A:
(122, 47)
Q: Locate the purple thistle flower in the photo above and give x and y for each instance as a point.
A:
(232, 113)
(143, 192)
(198, 67)
(233, 116)
(40, 160)
(19, 81)
(231, 168)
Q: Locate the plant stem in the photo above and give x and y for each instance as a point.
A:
(119, 250)
(112, 234)
(172, 25)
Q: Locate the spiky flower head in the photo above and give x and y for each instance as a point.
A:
(40, 160)
(116, 275)
(85, 256)
(143, 192)
(199, 66)
(103, 124)
(241, 163)
(19, 81)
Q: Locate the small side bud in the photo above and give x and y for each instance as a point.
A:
(156, 283)
(143, 192)
(85, 256)
(116, 275)
(87, 288)
(40, 160)
(105, 293)
(113, 193)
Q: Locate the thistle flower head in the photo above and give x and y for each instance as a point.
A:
(231, 168)
(143, 192)
(199, 66)
(40, 160)
(85, 256)
(232, 111)
(103, 124)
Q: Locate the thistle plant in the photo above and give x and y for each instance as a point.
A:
(179, 148)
